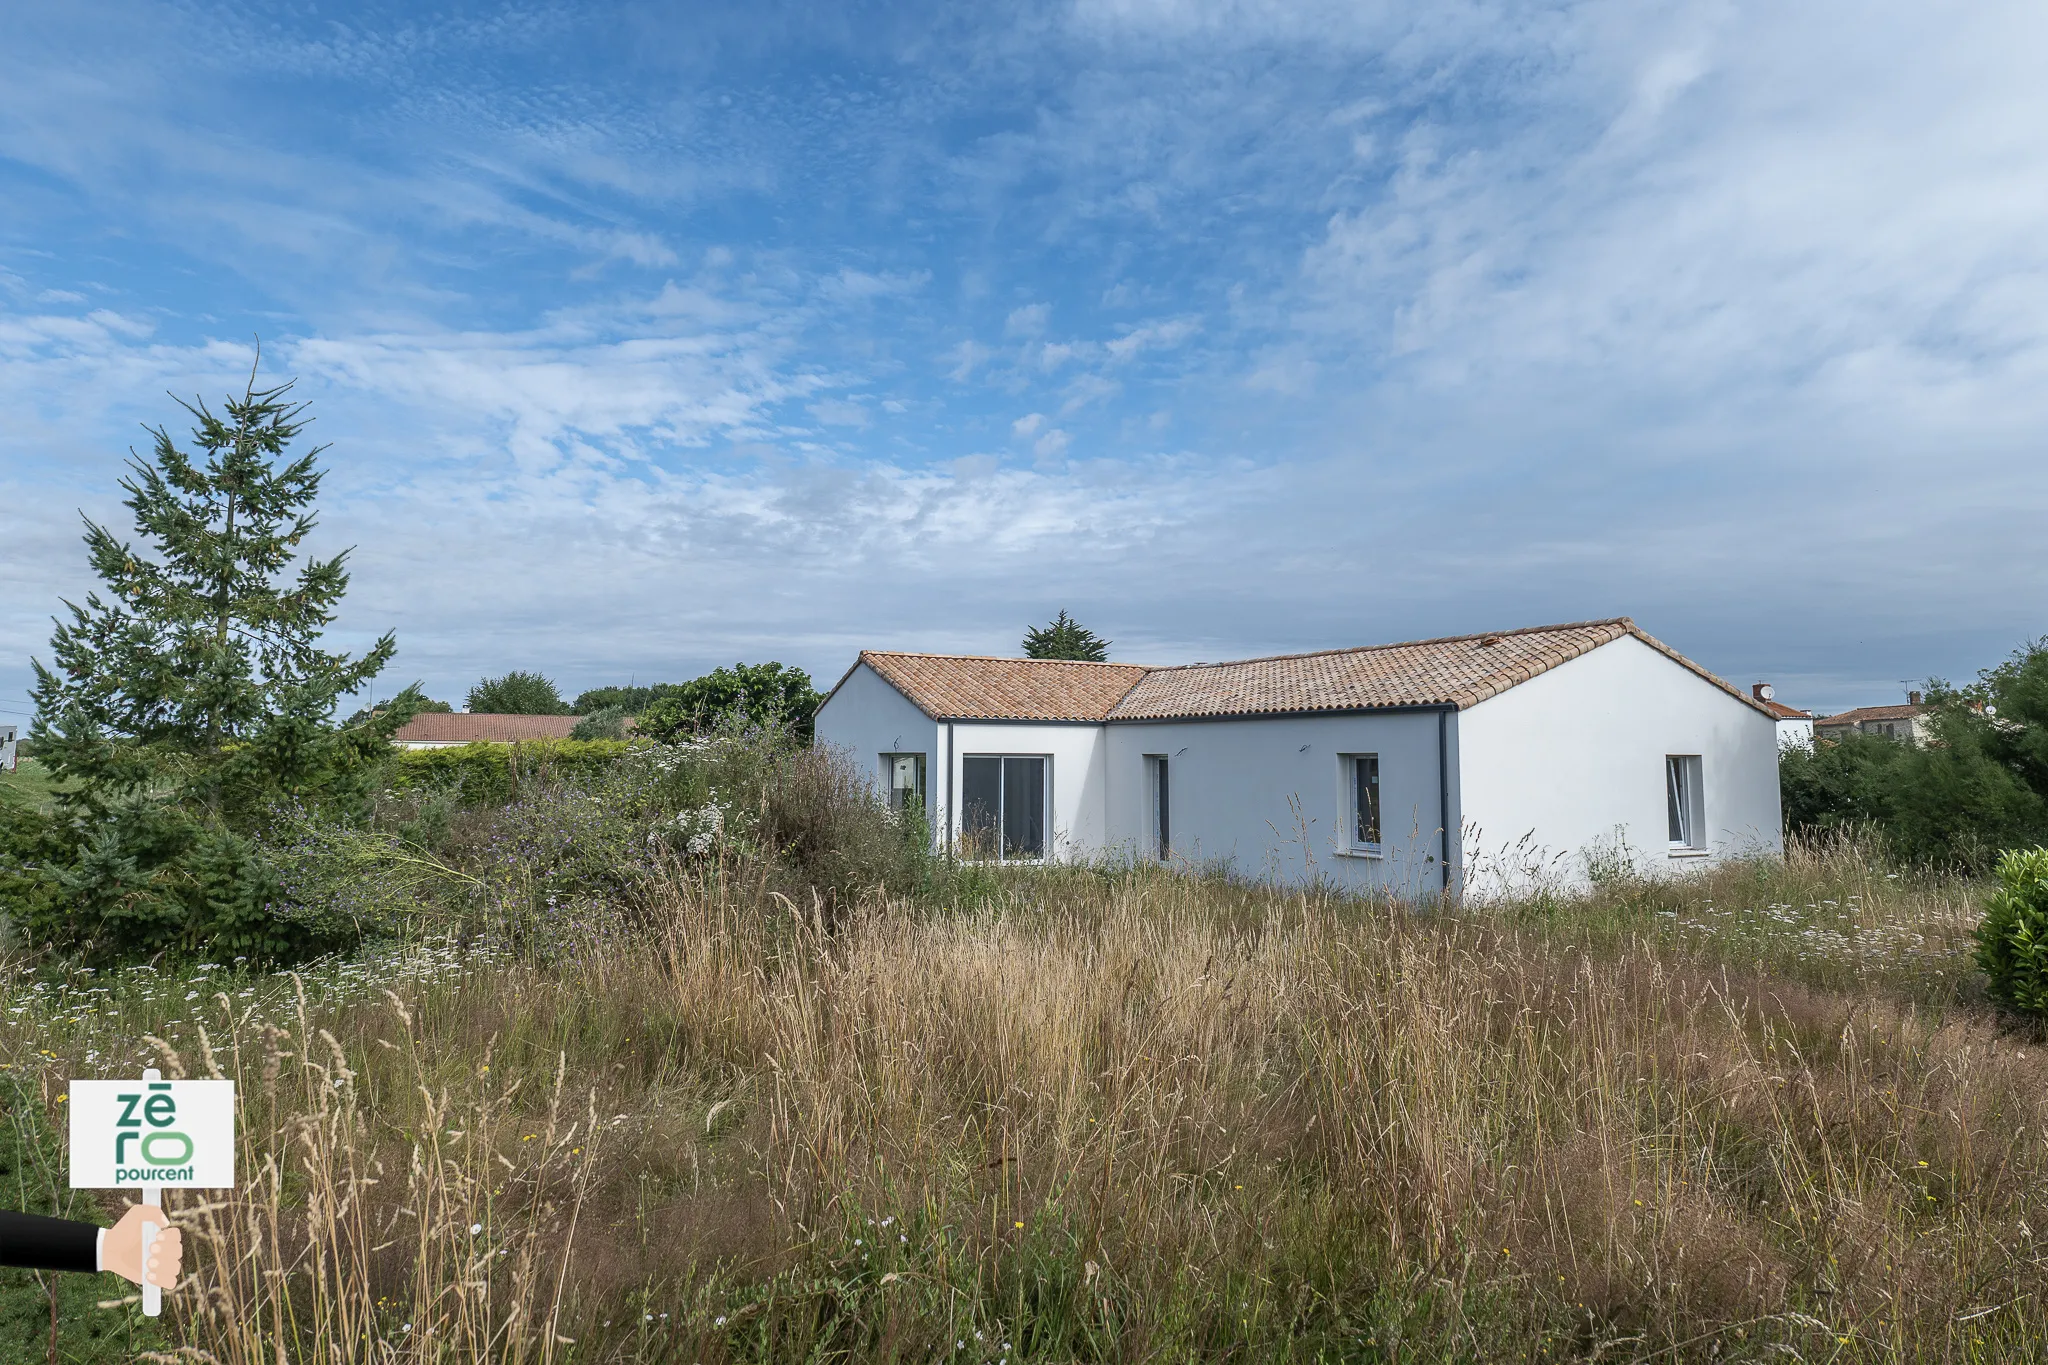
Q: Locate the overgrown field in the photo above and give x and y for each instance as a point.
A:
(1079, 1114)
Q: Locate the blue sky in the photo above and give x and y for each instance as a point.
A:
(650, 338)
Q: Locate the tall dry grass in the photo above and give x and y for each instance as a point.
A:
(1132, 1116)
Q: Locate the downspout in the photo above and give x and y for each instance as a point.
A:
(949, 786)
(1443, 793)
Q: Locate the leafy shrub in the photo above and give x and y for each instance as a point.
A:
(767, 697)
(2012, 940)
(606, 722)
(494, 774)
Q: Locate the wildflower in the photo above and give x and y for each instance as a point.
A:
(1020, 1225)
(718, 1321)
(475, 1228)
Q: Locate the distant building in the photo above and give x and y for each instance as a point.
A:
(1906, 722)
(1795, 727)
(442, 730)
(7, 737)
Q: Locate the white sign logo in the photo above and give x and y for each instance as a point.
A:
(169, 1134)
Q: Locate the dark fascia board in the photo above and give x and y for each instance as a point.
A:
(1008, 720)
(1417, 708)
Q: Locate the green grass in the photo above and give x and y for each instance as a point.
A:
(30, 783)
(1120, 1115)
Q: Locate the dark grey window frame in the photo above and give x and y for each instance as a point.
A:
(1364, 804)
(1029, 775)
(1159, 803)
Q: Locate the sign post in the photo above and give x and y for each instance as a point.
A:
(151, 1135)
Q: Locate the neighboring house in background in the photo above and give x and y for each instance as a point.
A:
(1475, 764)
(442, 730)
(7, 739)
(1795, 728)
(1906, 722)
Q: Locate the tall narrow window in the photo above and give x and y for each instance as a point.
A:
(1162, 805)
(904, 777)
(1684, 806)
(1362, 796)
(1003, 806)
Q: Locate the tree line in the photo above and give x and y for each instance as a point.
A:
(1976, 789)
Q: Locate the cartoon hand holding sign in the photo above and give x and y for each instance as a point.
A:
(149, 1134)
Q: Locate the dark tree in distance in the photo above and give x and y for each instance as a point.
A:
(195, 697)
(517, 694)
(632, 699)
(1065, 638)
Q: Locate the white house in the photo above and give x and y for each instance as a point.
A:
(1474, 764)
(7, 741)
(1795, 727)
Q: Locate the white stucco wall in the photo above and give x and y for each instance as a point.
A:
(1574, 759)
(1075, 772)
(1795, 732)
(867, 717)
(1267, 796)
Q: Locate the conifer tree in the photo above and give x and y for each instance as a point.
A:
(194, 696)
(1065, 638)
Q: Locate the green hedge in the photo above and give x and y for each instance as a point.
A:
(2012, 940)
(492, 774)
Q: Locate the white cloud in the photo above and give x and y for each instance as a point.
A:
(1028, 321)
(1152, 336)
(967, 357)
(1028, 423)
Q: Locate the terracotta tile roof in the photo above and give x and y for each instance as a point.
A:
(1863, 713)
(971, 687)
(1459, 671)
(1784, 712)
(464, 728)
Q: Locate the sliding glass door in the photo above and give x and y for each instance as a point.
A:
(1003, 806)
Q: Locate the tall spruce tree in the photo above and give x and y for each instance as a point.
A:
(194, 697)
(1065, 638)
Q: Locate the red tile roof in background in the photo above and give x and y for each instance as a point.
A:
(436, 727)
(1863, 713)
